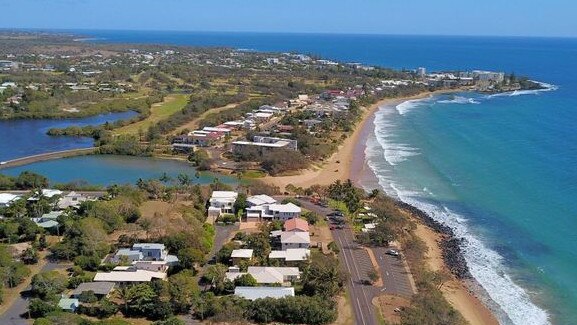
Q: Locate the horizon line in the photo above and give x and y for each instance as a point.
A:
(51, 29)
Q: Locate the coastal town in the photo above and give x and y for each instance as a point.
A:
(294, 241)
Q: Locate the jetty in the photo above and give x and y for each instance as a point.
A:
(46, 156)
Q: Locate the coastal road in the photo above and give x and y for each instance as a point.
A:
(356, 261)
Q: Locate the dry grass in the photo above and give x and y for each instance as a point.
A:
(159, 111)
(387, 305)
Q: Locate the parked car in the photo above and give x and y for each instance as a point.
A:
(392, 252)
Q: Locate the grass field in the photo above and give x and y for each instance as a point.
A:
(159, 111)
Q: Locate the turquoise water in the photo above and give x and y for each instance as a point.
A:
(500, 171)
(106, 170)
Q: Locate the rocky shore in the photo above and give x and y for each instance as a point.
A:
(450, 244)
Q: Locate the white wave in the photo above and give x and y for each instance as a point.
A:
(394, 153)
(546, 87)
(409, 105)
(459, 100)
(485, 265)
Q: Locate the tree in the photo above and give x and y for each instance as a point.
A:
(259, 242)
(323, 277)
(223, 255)
(373, 276)
(189, 257)
(29, 256)
(183, 290)
(216, 276)
(48, 284)
(245, 280)
(28, 180)
(40, 308)
(140, 298)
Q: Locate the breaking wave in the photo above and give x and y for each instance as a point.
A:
(485, 264)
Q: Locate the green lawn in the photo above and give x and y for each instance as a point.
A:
(171, 104)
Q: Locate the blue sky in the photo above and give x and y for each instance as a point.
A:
(437, 17)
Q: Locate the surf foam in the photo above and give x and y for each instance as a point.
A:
(486, 265)
(459, 100)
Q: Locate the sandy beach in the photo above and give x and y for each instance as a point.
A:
(349, 163)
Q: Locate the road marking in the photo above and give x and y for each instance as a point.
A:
(360, 311)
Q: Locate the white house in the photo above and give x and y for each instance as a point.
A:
(129, 274)
(6, 199)
(221, 202)
(295, 239)
(144, 252)
(253, 293)
(283, 211)
(291, 254)
(268, 274)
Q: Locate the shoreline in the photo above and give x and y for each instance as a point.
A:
(444, 251)
(349, 162)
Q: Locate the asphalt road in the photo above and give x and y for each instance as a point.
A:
(356, 261)
(19, 307)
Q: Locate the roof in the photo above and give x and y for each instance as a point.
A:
(288, 208)
(148, 246)
(291, 254)
(212, 129)
(260, 199)
(253, 293)
(270, 274)
(68, 303)
(224, 195)
(47, 224)
(50, 192)
(99, 288)
(52, 215)
(296, 224)
(129, 276)
(295, 237)
(242, 253)
(6, 198)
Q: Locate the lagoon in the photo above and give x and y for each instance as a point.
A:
(22, 138)
(108, 169)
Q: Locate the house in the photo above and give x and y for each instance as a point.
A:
(221, 202)
(71, 200)
(264, 145)
(7, 199)
(100, 289)
(128, 274)
(257, 206)
(253, 293)
(239, 255)
(296, 224)
(291, 254)
(69, 304)
(144, 252)
(48, 220)
(283, 211)
(267, 274)
(295, 239)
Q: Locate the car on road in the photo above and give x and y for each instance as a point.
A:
(392, 252)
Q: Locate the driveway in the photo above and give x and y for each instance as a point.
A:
(19, 307)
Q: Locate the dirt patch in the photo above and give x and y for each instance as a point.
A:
(345, 316)
(379, 282)
(387, 304)
(321, 235)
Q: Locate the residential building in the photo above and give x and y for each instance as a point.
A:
(6, 199)
(239, 255)
(128, 274)
(294, 239)
(296, 224)
(100, 289)
(264, 144)
(291, 254)
(267, 274)
(72, 200)
(144, 252)
(283, 211)
(221, 202)
(253, 293)
(69, 304)
(48, 220)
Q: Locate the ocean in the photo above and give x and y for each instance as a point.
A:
(500, 170)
